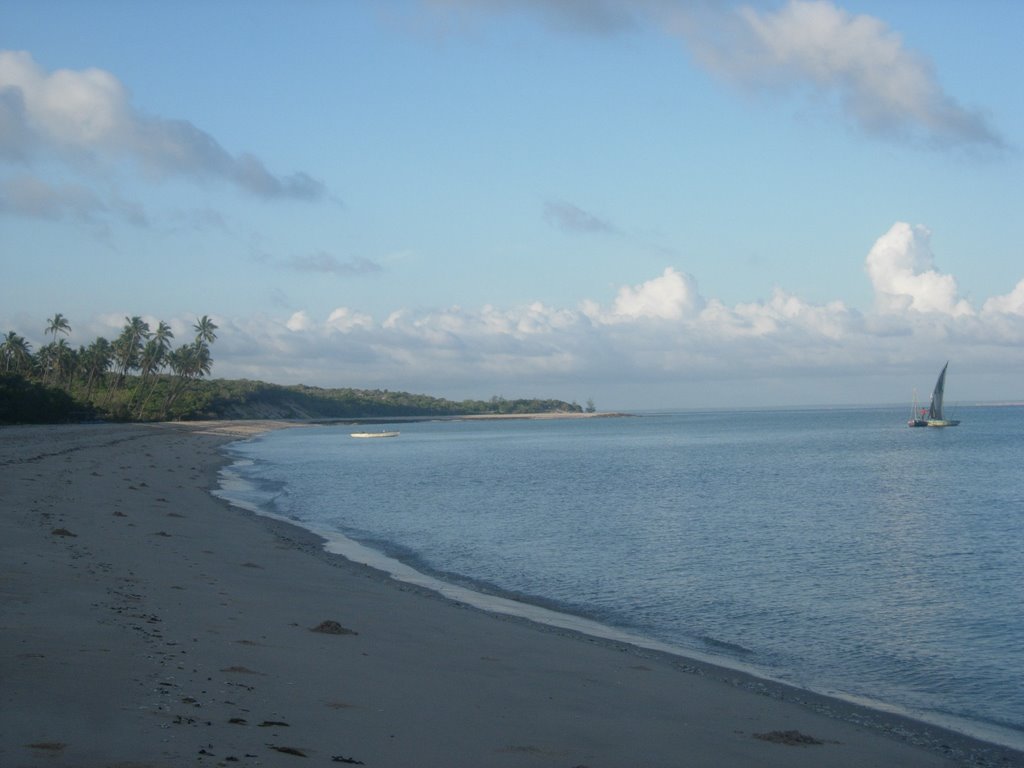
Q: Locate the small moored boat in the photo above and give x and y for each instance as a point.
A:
(375, 434)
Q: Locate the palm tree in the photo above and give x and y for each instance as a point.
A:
(56, 324)
(154, 358)
(16, 353)
(44, 359)
(203, 362)
(127, 349)
(204, 328)
(191, 361)
(182, 363)
(163, 335)
(96, 360)
(63, 361)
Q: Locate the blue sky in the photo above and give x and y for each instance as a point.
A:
(653, 204)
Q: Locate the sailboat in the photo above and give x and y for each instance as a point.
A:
(932, 417)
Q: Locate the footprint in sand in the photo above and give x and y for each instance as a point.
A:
(241, 670)
(52, 747)
(288, 750)
(789, 738)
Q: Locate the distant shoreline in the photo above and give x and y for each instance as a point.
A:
(545, 416)
(542, 416)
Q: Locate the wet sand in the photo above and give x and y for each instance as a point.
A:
(144, 622)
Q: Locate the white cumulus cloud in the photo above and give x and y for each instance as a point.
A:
(670, 296)
(344, 320)
(662, 330)
(299, 321)
(1011, 303)
(902, 272)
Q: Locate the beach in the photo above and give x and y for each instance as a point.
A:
(144, 622)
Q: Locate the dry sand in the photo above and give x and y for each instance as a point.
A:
(143, 622)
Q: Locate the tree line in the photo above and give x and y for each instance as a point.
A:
(141, 376)
(244, 399)
(137, 376)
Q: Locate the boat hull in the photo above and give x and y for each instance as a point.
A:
(374, 434)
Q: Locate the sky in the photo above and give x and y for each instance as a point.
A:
(652, 204)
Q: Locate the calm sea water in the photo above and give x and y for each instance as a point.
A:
(837, 550)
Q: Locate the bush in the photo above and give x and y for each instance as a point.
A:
(28, 402)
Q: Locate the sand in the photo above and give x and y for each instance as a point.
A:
(143, 622)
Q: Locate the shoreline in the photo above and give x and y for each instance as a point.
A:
(547, 416)
(551, 618)
(145, 620)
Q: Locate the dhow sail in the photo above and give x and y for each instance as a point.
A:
(935, 409)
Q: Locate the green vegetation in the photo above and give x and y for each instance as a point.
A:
(139, 377)
(136, 377)
(226, 399)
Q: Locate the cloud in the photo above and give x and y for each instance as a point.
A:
(1010, 304)
(299, 321)
(28, 196)
(570, 218)
(900, 266)
(345, 320)
(671, 296)
(654, 335)
(886, 89)
(16, 139)
(86, 116)
(32, 197)
(327, 264)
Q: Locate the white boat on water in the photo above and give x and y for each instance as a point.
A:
(375, 434)
(932, 416)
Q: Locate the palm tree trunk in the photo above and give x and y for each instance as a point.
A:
(152, 391)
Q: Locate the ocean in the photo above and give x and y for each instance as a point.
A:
(832, 549)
